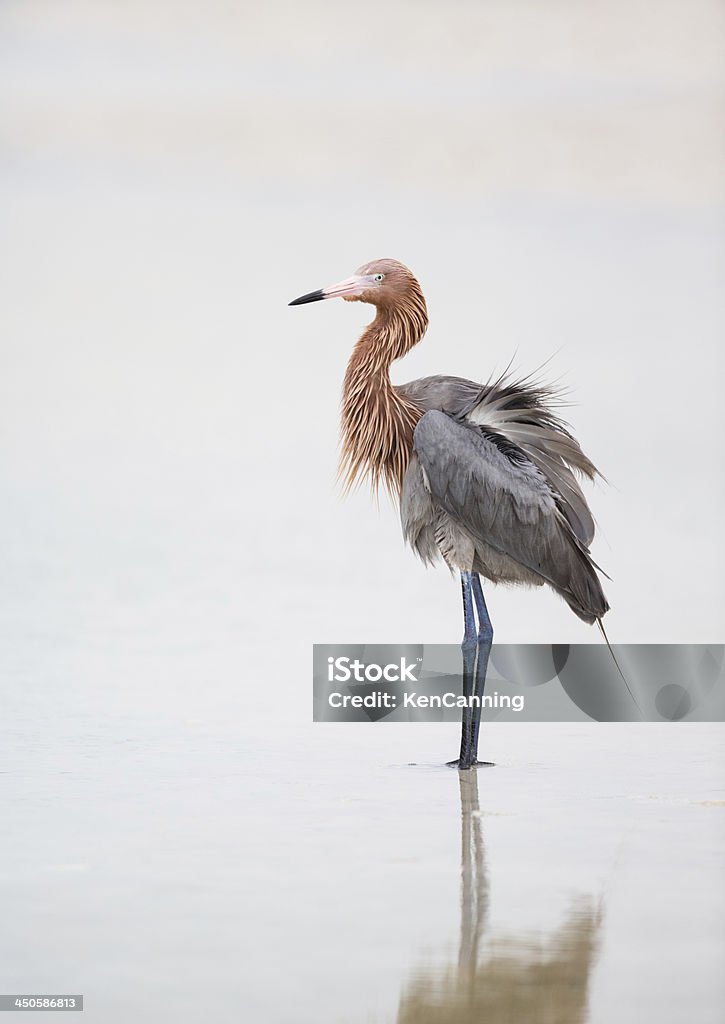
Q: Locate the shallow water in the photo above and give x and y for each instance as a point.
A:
(178, 860)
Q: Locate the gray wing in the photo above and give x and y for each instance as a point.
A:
(451, 394)
(500, 497)
(520, 411)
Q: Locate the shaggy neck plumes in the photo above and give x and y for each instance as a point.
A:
(377, 422)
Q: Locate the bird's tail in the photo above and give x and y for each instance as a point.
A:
(619, 669)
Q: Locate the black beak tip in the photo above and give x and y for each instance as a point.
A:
(310, 297)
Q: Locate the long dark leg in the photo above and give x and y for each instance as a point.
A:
(485, 629)
(485, 640)
(467, 756)
(469, 619)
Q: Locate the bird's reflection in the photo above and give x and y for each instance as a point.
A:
(474, 877)
(514, 979)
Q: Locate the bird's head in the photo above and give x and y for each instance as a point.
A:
(383, 283)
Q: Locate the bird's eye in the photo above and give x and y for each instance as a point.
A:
(378, 277)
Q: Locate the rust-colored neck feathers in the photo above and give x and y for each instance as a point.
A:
(377, 422)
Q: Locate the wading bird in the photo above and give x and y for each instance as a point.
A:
(484, 473)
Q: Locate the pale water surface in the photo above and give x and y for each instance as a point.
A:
(176, 862)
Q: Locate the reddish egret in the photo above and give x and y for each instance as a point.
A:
(484, 473)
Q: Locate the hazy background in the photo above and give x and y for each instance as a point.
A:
(172, 538)
(173, 174)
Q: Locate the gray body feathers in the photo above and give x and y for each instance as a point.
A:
(490, 487)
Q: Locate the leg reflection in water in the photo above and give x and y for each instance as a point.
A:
(503, 979)
(474, 877)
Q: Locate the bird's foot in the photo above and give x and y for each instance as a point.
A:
(476, 764)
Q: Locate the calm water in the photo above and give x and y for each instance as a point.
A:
(173, 861)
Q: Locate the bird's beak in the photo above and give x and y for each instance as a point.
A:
(350, 288)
